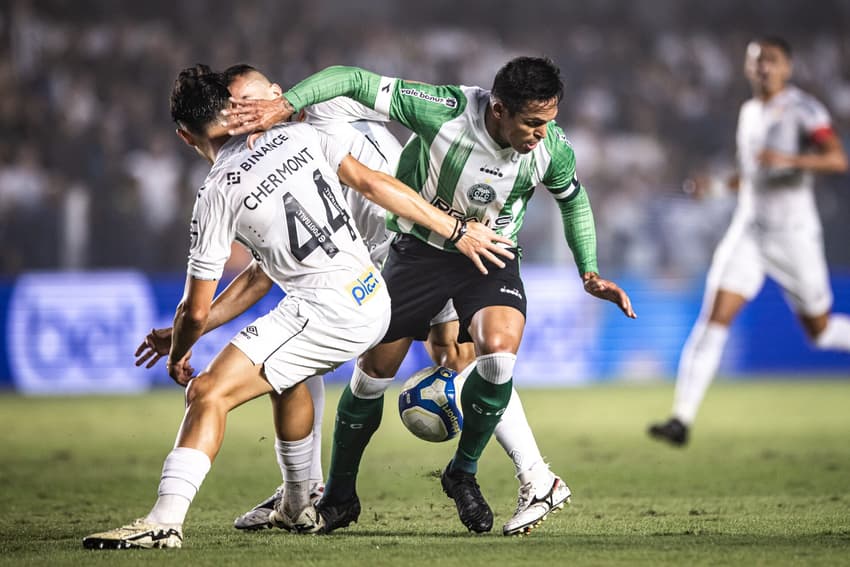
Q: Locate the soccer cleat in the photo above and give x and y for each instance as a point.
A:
(307, 521)
(473, 510)
(673, 431)
(338, 515)
(141, 534)
(257, 518)
(532, 509)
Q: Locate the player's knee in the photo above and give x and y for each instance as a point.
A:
(367, 387)
(203, 391)
(496, 368)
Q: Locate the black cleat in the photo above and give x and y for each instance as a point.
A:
(338, 515)
(673, 431)
(473, 510)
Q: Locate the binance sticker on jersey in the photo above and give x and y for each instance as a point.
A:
(363, 288)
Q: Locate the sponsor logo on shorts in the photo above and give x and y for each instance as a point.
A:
(249, 331)
(363, 288)
(511, 291)
(445, 101)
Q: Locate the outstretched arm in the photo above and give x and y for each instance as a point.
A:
(580, 232)
(243, 292)
(473, 240)
(251, 115)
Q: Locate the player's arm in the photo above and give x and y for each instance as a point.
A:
(828, 157)
(246, 289)
(190, 319)
(577, 218)
(474, 240)
(352, 82)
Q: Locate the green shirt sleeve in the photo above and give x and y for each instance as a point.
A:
(420, 107)
(576, 214)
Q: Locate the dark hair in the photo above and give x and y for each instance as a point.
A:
(527, 79)
(775, 41)
(229, 74)
(197, 96)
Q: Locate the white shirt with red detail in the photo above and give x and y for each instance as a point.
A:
(790, 123)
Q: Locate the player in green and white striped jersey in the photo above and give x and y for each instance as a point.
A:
(477, 155)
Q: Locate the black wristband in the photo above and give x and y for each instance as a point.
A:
(459, 232)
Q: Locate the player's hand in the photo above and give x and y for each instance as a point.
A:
(482, 242)
(608, 290)
(772, 159)
(252, 115)
(155, 346)
(181, 371)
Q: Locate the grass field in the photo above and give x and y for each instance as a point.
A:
(766, 481)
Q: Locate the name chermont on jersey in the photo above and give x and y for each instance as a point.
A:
(266, 187)
(445, 101)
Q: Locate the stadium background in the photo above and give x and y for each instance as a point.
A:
(96, 190)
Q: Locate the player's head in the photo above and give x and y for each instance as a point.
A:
(197, 98)
(525, 97)
(768, 65)
(245, 81)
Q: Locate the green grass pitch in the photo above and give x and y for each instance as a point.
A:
(766, 481)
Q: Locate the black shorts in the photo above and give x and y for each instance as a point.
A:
(421, 279)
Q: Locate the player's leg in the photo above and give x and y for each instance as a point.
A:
(736, 276)
(257, 518)
(540, 491)
(496, 331)
(828, 331)
(358, 416)
(231, 380)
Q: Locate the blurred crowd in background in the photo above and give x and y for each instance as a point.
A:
(92, 175)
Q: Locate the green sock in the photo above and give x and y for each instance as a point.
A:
(356, 420)
(478, 426)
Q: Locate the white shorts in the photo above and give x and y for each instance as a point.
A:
(794, 259)
(445, 315)
(294, 341)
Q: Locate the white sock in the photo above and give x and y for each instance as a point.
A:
(514, 435)
(182, 474)
(836, 335)
(316, 385)
(697, 368)
(294, 458)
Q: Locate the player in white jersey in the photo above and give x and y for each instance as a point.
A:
(784, 137)
(283, 201)
(479, 155)
(363, 131)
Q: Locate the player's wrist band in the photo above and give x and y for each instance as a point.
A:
(458, 232)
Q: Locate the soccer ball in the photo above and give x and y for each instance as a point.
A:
(429, 404)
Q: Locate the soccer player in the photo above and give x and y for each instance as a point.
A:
(478, 155)
(283, 201)
(364, 133)
(784, 136)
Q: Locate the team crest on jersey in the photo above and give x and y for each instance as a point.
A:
(363, 288)
(481, 194)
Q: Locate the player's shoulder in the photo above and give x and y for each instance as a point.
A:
(803, 100)
(556, 141)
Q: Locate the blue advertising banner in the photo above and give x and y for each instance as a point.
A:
(73, 333)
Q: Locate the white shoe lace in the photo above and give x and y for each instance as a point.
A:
(526, 493)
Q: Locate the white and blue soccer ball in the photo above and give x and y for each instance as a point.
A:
(429, 404)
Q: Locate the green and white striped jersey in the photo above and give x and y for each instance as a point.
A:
(453, 162)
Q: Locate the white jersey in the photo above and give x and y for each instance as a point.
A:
(787, 123)
(362, 132)
(283, 201)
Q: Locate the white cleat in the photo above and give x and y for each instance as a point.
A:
(141, 534)
(532, 509)
(306, 521)
(257, 518)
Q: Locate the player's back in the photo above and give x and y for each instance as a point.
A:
(282, 200)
